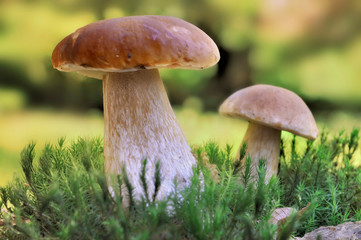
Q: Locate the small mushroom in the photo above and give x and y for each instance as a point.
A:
(139, 121)
(269, 110)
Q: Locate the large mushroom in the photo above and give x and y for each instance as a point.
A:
(139, 121)
(269, 110)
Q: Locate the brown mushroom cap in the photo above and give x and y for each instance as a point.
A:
(272, 106)
(133, 43)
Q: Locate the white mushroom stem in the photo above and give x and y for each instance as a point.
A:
(139, 124)
(262, 143)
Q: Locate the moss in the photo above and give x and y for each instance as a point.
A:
(64, 194)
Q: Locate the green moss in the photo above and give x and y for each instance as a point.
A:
(64, 194)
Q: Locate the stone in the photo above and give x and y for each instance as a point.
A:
(344, 231)
(281, 215)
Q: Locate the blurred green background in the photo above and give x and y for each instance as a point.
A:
(310, 47)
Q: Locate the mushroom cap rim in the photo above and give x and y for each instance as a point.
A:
(234, 115)
(70, 67)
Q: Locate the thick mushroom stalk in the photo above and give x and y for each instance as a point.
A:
(139, 124)
(263, 143)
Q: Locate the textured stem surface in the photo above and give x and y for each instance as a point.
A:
(263, 143)
(139, 124)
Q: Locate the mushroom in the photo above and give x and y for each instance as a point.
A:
(139, 121)
(269, 110)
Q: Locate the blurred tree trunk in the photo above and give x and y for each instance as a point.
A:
(99, 9)
(234, 72)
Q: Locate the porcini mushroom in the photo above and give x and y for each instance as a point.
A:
(269, 110)
(139, 121)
